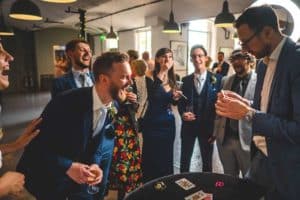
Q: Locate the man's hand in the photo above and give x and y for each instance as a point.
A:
(97, 175)
(11, 183)
(177, 94)
(231, 106)
(188, 116)
(260, 143)
(131, 97)
(231, 94)
(79, 173)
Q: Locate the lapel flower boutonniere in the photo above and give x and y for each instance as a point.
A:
(213, 79)
(110, 128)
(112, 112)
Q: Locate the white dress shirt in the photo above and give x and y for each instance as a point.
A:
(260, 141)
(99, 112)
(87, 78)
(199, 80)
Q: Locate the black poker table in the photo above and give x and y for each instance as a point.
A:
(216, 186)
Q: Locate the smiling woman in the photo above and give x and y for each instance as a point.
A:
(290, 7)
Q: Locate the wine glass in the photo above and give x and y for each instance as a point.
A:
(179, 87)
(128, 89)
(93, 189)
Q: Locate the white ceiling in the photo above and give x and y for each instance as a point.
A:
(184, 11)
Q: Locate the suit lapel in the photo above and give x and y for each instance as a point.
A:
(228, 83)
(88, 119)
(279, 67)
(261, 71)
(71, 80)
(251, 86)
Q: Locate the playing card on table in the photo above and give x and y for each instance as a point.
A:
(200, 195)
(185, 184)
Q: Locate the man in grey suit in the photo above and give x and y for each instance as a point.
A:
(234, 136)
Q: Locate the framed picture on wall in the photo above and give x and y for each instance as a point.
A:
(58, 54)
(179, 49)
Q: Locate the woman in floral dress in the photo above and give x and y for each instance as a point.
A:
(125, 173)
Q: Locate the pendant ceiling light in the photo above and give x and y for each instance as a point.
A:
(111, 35)
(4, 29)
(171, 26)
(25, 10)
(60, 1)
(225, 18)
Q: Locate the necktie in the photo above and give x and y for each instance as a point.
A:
(82, 79)
(198, 84)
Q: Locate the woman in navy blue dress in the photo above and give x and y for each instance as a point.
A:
(158, 124)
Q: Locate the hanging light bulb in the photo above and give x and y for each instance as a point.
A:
(25, 10)
(60, 1)
(171, 26)
(225, 18)
(111, 35)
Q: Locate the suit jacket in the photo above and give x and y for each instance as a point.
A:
(225, 68)
(65, 82)
(213, 83)
(281, 124)
(65, 131)
(244, 126)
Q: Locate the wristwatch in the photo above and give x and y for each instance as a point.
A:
(250, 114)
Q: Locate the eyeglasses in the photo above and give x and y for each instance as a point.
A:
(197, 56)
(245, 43)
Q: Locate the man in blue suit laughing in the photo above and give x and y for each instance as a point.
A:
(79, 56)
(77, 125)
(275, 113)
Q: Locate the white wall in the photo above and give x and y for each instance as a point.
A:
(44, 41)
(126, 41)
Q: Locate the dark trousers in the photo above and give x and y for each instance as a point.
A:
(188, 139)
(233, 157)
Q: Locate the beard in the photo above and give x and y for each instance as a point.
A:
(239, 69)
(81, 64)
(266, 51)
(114, 90)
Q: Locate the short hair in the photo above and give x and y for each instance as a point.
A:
(71, 45)
(140, 67)
(198, 46)
(133, 54)
(239, 53)
(103, 64)
(221, 52)
(258, 17)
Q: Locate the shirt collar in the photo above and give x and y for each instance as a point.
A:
(76, 73)
(276, 52)
(97, 103)
(201, 76)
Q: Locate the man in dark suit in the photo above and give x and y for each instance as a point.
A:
(79, 56)
(221, 67)
(275, 114)
(68, 154)
(198, 111)
(234, 136)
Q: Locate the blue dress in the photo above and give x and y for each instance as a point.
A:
(158, 129)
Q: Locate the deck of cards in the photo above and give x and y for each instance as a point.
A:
(185, 184)
(200, 195)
